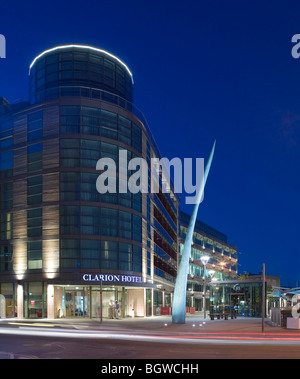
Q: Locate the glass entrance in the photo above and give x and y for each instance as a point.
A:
(244, 296)
(76, 303)
(83, 301)
(238, 304)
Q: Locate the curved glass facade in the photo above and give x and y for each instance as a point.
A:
(59, 71)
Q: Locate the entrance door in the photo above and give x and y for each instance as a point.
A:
(85, 301)
(76, 303)
(198, 305)
(238, 304)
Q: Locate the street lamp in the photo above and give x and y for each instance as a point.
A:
(204, 259)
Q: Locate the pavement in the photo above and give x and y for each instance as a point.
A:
(194, 323)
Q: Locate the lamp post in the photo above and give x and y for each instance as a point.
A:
(263, 298)
(204, 259)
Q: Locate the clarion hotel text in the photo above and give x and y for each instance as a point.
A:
(111, 278)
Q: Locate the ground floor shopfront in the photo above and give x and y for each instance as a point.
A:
(196, 300)
(44, 300)
(243, 297)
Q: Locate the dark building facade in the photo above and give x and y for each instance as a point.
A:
(62, 242)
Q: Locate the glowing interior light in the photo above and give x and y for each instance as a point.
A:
(80, 47)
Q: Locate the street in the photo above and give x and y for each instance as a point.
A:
(146, 339)
(64, 348)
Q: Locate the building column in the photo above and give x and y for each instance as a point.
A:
(152, 302)
(90, 302)
(145, 302)
(20, 301)
(124, 305)
(50, 301)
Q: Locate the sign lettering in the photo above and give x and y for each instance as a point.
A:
(112, 278)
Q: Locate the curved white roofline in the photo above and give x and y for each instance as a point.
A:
(81, 47)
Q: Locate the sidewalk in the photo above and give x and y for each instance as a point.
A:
(193, 324)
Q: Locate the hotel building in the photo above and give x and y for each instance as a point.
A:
(64, 246)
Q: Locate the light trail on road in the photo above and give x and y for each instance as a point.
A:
(230, 338)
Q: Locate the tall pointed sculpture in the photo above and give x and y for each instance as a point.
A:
(179, 298)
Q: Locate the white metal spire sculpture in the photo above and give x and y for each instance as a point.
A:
(179, 298)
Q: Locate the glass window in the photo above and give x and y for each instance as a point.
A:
(6, 134)
(6, 261)
(6, 226)
(6, 195)
(88, 187)
(90, 153)
(35, 126)
(50, 59)
(109, 222)
(34, 190)
(109, 119)
(109, 255)
(40, 64)
(70, 253)
(70, 152)
(137, 258)
(90, 220)
(34, 222)
(6, 160)
(70, 220)
(70, 185)
(90, 121)
(34, 255)
(66, 56)
(34, 157)
(80, 56)
(90, 251)
(66, 66)
(6, 126)
(125, 257)
(36, 300)
(50, 78)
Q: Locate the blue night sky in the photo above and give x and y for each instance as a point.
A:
(203, 70)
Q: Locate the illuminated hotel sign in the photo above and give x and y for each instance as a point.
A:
(112, 278)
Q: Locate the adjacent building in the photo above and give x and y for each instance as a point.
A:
(221, 266)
